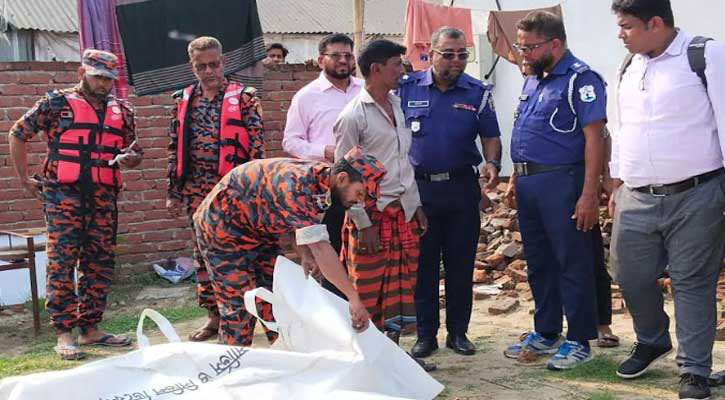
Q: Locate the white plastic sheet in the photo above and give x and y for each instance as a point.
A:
(323, 358)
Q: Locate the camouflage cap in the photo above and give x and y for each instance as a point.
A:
(369, 167)
(100, 63)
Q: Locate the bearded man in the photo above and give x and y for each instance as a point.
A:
(87, 129)
(557, 143)
(312, 114)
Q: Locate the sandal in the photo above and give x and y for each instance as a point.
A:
(203, 334)
(69, 352)
(607, 340)
(110, 341)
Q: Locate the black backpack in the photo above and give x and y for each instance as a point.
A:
(695, 55)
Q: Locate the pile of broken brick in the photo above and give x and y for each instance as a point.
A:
(500, 267)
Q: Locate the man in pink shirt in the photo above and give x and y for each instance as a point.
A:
(314, 109)
(312, 114)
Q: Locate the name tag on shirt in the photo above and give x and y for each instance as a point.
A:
(465, 107)
(523, 97)
(418, 103)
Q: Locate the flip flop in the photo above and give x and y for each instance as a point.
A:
(108, 340)
(607, 340)
(203, 334)
(69, 352)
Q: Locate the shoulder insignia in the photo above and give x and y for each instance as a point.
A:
(579, 67)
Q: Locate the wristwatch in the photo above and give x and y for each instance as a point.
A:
(495, 163)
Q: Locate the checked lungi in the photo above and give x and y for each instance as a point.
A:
(385, 280)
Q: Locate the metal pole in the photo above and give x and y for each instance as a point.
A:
(358, 20)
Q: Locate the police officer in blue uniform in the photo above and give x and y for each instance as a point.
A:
(557, 150)
(446, 110)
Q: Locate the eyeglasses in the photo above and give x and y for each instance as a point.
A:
(203, 67)
(450, 55)
(528, 48)
(338, 56)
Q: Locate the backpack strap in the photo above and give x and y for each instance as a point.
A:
(696, 57)
(625, 64)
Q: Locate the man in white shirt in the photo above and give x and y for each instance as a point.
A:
(667, 161)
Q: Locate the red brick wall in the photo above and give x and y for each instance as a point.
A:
(146, 232)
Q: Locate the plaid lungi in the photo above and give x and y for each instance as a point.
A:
(385, 280)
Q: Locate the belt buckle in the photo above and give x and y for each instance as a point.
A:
(522, 169)
(445, 176)
(651, 190)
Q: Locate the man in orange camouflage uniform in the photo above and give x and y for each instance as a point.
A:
(86, 127)
(205, 145)
(239, 224)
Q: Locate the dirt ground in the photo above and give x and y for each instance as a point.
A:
(487, 374)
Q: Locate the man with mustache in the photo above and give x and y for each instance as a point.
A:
(381, 241)
(557, 148)
(446, 110)
(312, 114)
(216, 126)
(239, 224)
(86, 128)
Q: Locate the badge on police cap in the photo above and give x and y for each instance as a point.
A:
(587, 94)
(415, 126)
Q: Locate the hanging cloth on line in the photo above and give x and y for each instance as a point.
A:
(156, 34)
(422, 19)
(502, 30)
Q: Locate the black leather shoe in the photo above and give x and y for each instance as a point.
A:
(424, 347)
(460, 344)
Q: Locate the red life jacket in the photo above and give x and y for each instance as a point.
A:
(233, 136)
(87, 145)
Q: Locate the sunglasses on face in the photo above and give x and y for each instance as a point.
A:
(203, 67)
(450, 55)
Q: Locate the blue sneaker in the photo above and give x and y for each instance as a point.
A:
(534, 342)
(570, 355)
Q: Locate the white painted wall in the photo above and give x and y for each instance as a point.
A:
(592, 35)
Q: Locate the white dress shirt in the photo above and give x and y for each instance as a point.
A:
(670, 128)
(312, 115)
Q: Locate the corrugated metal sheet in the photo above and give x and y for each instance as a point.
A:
(323, 16)
(386, 17)
(42, 15)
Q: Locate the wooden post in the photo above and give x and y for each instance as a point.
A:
(358, 21)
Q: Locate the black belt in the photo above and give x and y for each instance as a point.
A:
(529, 168)
(681, 186)
(446, 176)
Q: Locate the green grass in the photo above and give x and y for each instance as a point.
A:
(603, 369)
(124, 323)
(606, 395)
(41, 357)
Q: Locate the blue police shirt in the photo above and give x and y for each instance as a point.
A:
(445, 125)
(546, 129)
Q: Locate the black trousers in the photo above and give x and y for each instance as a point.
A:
(454, 224)
(334, 219)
